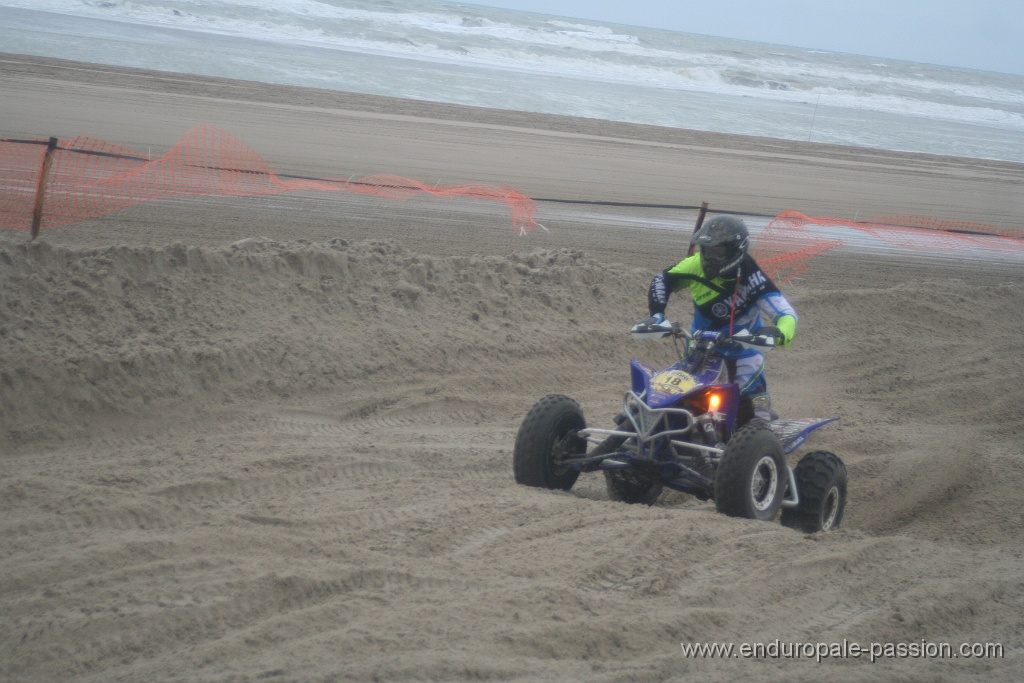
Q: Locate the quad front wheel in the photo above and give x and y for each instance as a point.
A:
(546, 437)
(821, 484)
(751, 479)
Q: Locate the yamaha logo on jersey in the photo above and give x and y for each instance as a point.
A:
(720, 310)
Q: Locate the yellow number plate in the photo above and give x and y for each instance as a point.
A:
(673, 382)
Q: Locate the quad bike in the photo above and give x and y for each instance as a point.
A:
(687, 428)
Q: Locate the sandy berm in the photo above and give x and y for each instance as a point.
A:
(270, 438)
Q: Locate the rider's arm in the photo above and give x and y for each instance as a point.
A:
(657, 293)
(777, 308)
(671, 280)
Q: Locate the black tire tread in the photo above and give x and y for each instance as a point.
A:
(532, 453)
(815, 474)
(730, 480)
(632, 488)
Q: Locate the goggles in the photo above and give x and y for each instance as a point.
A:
(718, 253)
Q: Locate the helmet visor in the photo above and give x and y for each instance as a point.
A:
(715, 254)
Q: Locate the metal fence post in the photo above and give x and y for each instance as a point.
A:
(696, 228)
(37, 210)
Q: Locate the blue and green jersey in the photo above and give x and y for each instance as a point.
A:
(719, 303)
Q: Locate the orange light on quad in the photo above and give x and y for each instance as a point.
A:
(714, 401)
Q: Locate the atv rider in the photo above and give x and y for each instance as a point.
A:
(730, 292)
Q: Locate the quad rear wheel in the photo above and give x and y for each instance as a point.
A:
(627, 485)
(632, 487)
(546, 437)
(821, 484)
(751, 479)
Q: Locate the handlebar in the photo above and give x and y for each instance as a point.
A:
(650, 328)
(764, 337)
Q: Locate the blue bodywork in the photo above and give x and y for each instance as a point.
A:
(703, 379)
(793, 433)
(677, 434)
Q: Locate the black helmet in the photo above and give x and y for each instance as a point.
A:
(723, 242)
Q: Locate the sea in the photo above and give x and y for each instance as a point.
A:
(470, 54)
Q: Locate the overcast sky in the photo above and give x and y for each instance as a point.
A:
(976, 34)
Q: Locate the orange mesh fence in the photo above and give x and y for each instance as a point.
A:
(787, 245)
(90, 177)
(20, 165)
(792, 239)
(957, 235)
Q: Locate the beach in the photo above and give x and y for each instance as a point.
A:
(269, 438)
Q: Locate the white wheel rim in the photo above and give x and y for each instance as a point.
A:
(830, 508)
(764, 483)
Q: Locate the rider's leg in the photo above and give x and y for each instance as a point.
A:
(750, 377)
(763, 406)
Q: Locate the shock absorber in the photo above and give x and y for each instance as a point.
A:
(710, 429)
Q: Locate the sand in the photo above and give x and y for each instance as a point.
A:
(270, 438)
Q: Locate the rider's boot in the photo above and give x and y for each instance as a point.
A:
(763, 407)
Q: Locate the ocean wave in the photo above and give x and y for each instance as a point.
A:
(497, 42)
(554, 47)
